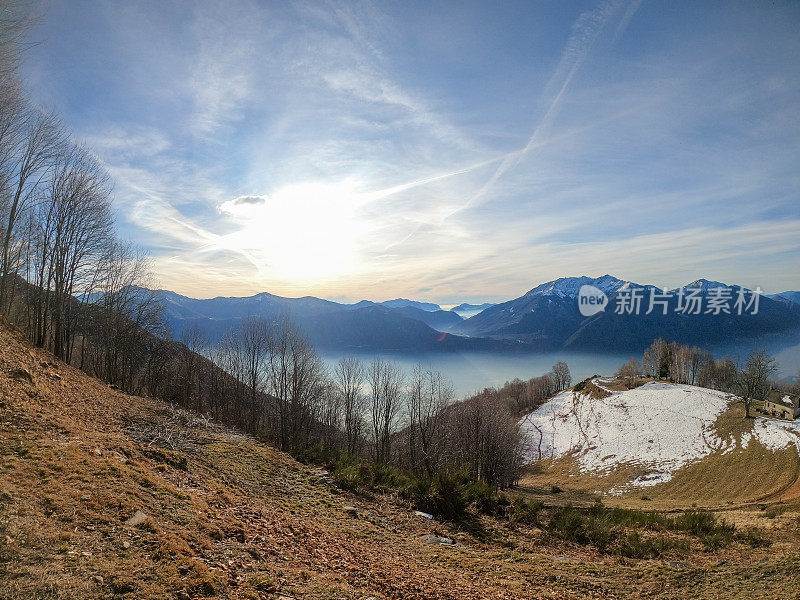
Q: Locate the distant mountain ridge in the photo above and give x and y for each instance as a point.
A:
(545, 318)
(404, 303)
(396, 325)
(792, 297)
(467, 310)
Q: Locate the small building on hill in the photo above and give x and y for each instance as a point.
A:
(784, 406)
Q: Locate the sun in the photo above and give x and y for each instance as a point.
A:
(306, 231)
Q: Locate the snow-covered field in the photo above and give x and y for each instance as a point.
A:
(659, 426)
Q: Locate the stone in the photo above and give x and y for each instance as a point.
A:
(436, 540)
(424, 515)
(137, 519)
(350, 510)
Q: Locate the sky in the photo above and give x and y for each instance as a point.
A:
(443, 151)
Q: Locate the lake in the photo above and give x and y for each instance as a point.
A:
(470, 372)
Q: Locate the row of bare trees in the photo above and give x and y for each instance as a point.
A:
(275, 386)
(64, 277)
(695, 366)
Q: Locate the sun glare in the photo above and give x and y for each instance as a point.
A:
(306, 231)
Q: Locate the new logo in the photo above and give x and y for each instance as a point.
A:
(591, 300)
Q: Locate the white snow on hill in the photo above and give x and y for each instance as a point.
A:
(660, 426)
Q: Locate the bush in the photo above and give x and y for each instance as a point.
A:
(754, 537)
(700, 523)
(634, 545)
(526, 511)
(482, 496)
(600, 533)
(448, 496)
(774, 510)
(568, 524)
(346, 472)
(626, 517)
(387, 479)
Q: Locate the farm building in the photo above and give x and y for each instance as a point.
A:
(782, 405)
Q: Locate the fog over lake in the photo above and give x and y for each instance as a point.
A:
(470, 372)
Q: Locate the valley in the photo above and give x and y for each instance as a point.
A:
(107, 495)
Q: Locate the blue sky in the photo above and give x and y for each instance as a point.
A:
(443, 151)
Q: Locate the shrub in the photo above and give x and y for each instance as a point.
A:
(754, 537)
(447, 496)
(347, 473)
(600, 533)
(634, 545)
(715, 540)
(568, 523)
(482, 496)
(526, 511)
(774, 510)
(701, 522)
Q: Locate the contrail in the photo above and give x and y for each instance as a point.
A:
(379, 194)
(585, 32)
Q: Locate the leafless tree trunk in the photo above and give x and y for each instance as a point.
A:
(385, 380)
(754, 380)
(428, 396)
(349, 374)
(563, 378)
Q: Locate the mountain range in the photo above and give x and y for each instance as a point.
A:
(545, 318)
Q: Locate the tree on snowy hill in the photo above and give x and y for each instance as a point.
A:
(563, 377)
(629, 373)
(754, 380)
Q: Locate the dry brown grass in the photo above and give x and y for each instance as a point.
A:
(229, 517)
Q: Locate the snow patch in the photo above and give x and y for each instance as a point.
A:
(660, 427)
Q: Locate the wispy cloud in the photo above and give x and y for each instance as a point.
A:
(585, 32)
(371, 149)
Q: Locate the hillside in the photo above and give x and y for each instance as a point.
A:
(547, 317)
(676, 444)
(398, 325)
(104, 495)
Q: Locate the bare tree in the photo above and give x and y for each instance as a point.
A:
(33, 148)
(754, 380)
(195, 343)
(629, 372)
(124, 319)
(76, 223)
(349, 375)
(296, 377)
(15, 19)
(385, 381)
(563, 378)
(428, 396)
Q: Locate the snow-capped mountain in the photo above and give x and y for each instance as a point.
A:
(548, 317)
(568, 287)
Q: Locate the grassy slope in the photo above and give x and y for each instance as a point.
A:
(721, 480)
(232, 518)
